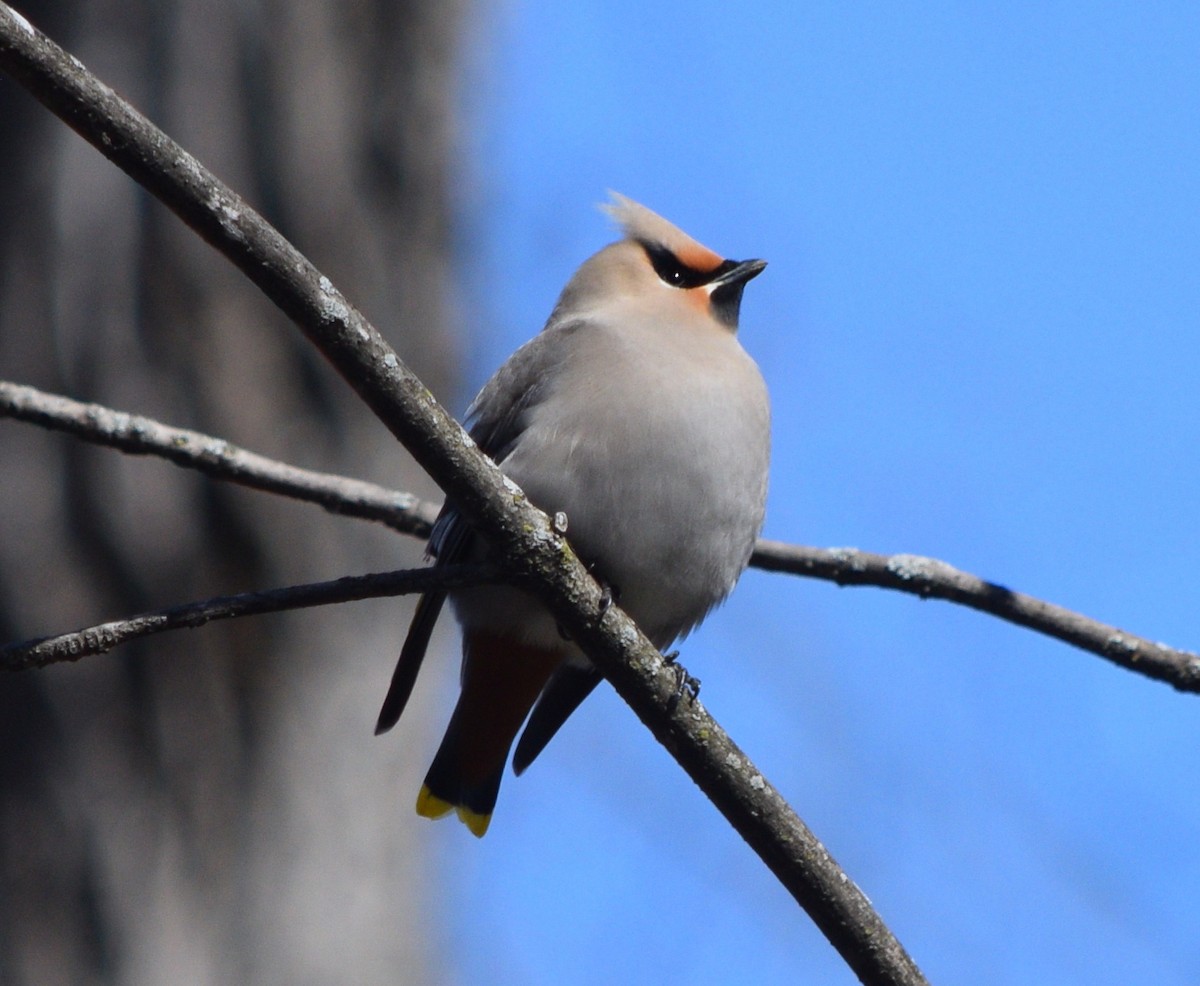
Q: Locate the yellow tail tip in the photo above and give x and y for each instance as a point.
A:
(429, 805)
(477, 823)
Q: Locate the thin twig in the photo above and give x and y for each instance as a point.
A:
(524, 537)
(926, 578)
(933, 579)
(103, 637)
(216, 458)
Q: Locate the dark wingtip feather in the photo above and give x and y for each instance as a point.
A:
(409, 664)
(563, 694)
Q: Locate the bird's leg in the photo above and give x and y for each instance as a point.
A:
(609, 594)
(683, 681)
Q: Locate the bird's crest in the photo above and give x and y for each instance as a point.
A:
(649, 228)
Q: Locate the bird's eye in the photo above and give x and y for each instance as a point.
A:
(671, 270)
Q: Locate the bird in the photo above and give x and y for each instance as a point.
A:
(637, 414)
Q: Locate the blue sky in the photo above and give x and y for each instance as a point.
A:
(981, 331)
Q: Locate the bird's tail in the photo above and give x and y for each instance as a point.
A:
(501, 681)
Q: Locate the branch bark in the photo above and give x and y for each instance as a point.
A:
(927, 578)
(216, 458)
(530, 546)
(103, 637)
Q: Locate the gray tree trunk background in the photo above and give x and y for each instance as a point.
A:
(210, 806)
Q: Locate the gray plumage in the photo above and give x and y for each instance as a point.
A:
(637, 413)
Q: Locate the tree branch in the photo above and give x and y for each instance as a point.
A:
(933, 579)
(216, 458)
(926, 578)
(104, 637)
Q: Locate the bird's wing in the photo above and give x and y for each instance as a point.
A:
(562, 695)
(500, 414)
(497, 418)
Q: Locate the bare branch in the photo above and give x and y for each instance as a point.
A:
(104, 637)
(216, 458)
(927, 578)
(933, 579)
(524, 537)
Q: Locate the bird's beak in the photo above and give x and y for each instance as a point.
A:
(741, 272)
(725, 290)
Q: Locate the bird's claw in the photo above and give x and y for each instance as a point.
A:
(684, 682)
(609, 594)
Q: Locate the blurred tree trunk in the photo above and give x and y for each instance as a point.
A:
(210, 807)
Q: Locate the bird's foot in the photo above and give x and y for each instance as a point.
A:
(684, 682)
(609, 594)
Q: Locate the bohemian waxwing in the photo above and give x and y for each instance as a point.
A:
(636, 413)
